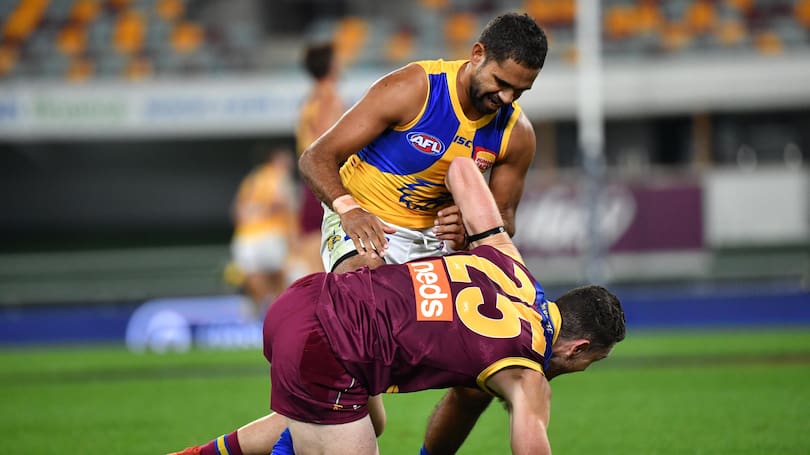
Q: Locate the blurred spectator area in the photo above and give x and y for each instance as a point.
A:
(79, 40)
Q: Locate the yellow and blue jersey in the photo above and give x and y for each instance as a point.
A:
(400, 175)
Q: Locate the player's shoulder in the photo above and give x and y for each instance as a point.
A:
(439, 66)
(399, 95)
(522, 123)
(407, 79)
(522, 139)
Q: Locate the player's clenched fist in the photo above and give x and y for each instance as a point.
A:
(449, 227)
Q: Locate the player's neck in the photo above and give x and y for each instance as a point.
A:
(325, 87)
(463, 78)
(553, 370)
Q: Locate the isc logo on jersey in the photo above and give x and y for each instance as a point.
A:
(426, 143)
(432, 291)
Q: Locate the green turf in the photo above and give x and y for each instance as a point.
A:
(699, 392)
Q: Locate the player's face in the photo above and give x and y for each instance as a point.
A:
(494, 84)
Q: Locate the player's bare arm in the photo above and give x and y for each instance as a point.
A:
(393, 100)
(508, 176)
(474, 199)
(528, 398)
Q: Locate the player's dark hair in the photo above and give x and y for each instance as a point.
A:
(593, 313)
(318, 59)
(517, 37)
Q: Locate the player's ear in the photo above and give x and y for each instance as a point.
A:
(580, 346)
(478, 54)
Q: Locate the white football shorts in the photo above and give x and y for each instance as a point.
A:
(260, 253)
(403, 246)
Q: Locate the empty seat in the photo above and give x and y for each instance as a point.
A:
(129, 32)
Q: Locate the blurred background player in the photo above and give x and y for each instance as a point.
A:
(321, 109)
(265, 227)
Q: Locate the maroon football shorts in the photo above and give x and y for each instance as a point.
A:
(310, 216)
(308, 383)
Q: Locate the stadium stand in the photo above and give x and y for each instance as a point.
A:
(111, 275)
(136, 39)
(86, 41)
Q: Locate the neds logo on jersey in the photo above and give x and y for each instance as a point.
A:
(432, 291)
(426, 143)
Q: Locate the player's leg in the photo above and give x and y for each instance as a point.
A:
(274, 252)
(453, 419)
(262, 258)
(259, 436)
(246, 256)
(276, 281)
(305, 257)
(259, 289)
(256, 438)
(353, 438)
(376, 411)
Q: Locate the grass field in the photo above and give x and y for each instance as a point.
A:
(700, 392)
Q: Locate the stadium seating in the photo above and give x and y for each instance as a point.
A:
(77, 40)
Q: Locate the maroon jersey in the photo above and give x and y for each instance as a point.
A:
(438, 322)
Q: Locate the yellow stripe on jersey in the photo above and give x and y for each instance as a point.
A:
(500, 365)
(221, 447)
(507, 133)
(418, 117)
(556, 320)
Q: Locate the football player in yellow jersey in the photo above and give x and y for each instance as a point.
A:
(389, 199)
(381, 168)
(264, 218)
(320, 110)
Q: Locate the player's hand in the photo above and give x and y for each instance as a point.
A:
(366, 231)
(449, 227)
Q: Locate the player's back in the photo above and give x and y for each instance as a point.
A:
(436, 323)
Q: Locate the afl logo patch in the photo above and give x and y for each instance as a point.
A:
(426, 143)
